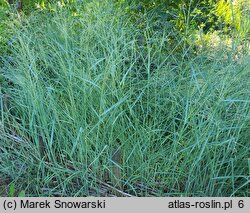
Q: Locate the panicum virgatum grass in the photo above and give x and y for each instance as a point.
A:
(92, 105)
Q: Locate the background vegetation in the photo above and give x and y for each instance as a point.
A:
(125, 98)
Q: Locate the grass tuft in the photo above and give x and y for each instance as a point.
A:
(92, 105)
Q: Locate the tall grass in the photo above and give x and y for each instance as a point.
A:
(93, 106)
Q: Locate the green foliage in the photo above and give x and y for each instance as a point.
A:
(4, 33)
(185, 14)
(22, 194)
(100, 102)
(13, 191)
(103, 95)
(29, 5)
(191, 15)
(236, 16)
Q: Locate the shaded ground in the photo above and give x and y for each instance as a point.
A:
(4, 184)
